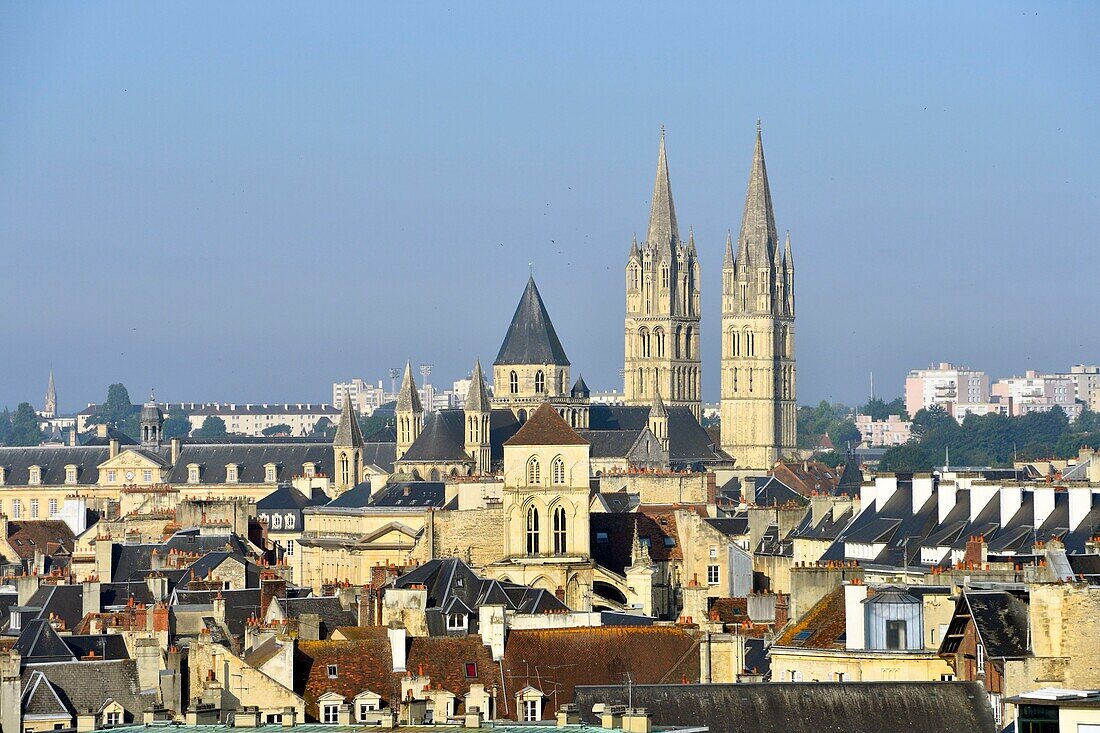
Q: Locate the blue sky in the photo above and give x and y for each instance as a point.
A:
(247, 201)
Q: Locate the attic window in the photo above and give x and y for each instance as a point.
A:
(601, 538)
(332, 671)
(670, 541)
(471, 670)
(456, 622)
(803, 636)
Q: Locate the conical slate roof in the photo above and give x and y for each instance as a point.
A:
(531, 338)
(658, 409)
(477, 399)
(348, 432)
(663, 231)
(758, 220)
(440, 441)
(580, 389)
(408, 399)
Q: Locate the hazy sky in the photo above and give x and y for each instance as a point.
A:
(246, 202)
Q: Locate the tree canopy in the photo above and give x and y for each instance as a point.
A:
(212, 427)
(176, 425)
(25, 430)
(991, 440)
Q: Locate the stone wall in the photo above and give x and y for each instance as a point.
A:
(476, 535)
(662, 488)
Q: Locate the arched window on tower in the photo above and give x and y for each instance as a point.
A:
(634, 277)
(559, 530)
(533, 472)
(750, 346)
(513, 383)
(643, 342)
(664, 277)
(689, 346)
(540, 382)
(344, 476)
(735, 343)
(659, 342)
(532, 530)
(557, 471)
(679, 337)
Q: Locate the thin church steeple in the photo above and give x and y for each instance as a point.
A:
(663, 231)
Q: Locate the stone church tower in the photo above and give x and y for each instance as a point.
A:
(662, 307)
(758, 368)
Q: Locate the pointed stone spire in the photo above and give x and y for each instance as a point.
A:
(634, 253)
(51, 397)
(408, 399)
(348, 433)
(639, 555)
(788, 259)
(758, 220)
(477, 399)
(663, 232)
(658, 409)
(728, 259)
(691, 240)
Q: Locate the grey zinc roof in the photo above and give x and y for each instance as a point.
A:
(807, 707)
(251, 459)
(52, 461)
(39, 642)
(531, 338)
(441, 440)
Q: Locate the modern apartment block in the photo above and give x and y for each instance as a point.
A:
(1036, 392)
(947, 385)
(891, 431)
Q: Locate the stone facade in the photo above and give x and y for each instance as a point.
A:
(662, 308)
(758, 365)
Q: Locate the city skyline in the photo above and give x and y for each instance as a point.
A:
(350, 223)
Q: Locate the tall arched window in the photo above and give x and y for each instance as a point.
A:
(513, 383)
(735, 343)
(659, 341)
(679, 337)
(533, 472)
(561, 382)
(634, 277)
(643, 342)
(532, 530)
(688, 345)
(750, 343)
(664, 276)
(559, 530)
(344, 469)
(540, 382)
(557, 471)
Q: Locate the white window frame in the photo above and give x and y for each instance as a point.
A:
(714, 574)
(52, 508)
(289, 522)
(333, 671)
(34, 508)
(330, 713)
(457, 622)
(147, 475)
(112, 718)
(979, 658)
(530, 711)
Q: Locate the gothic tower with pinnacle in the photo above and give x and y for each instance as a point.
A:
(662, 308)
(758, 367)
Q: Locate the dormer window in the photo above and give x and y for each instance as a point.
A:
(276, 521)
(70, 474)
(456, 622)
(309, 469)
(269, 473)
(231, 473)
(192, 473)
(289, 522)
(35, 476)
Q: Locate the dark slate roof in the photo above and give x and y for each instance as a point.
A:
(385, 434)
(133, 562)
(328, 608)
(357, 496)
(757, 660)
(38, 642)
(284, 497)
(580, 389)
(240, 604)
(531, 338)
(610, 443)
(251, 458)
(774, 492)
(453, 587)
(105, 646)
(119, 594)
(94, 439)
(63, 601)
(52, 461)
(1002, 622)
(688, 443)
(730, 526)
(442, 440)
(807, 707)
(411, 494)
(828, 528)
(85, 686)
(380, 454)
(40, 698)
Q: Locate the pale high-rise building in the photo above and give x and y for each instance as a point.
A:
(758, 366)
(662, 307)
